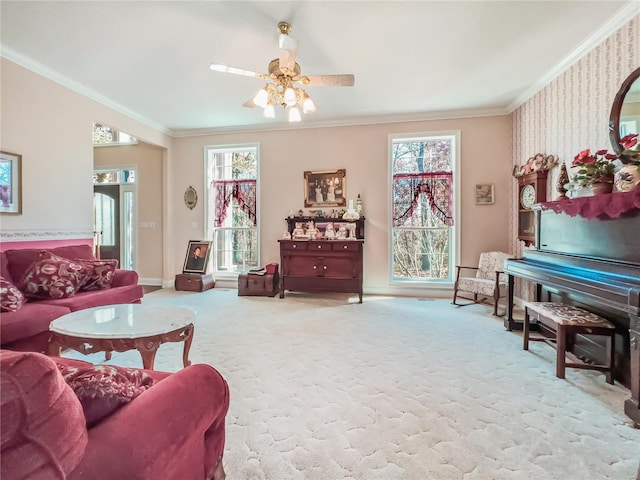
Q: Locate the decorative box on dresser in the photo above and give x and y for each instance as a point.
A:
(322, 265)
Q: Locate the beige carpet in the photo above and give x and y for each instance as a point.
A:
(396, 388)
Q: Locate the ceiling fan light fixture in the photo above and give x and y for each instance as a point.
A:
(261, 98)
(290, 96)
(294, 114)
(307, 104)
(269, 111)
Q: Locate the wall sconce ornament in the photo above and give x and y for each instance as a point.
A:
(190, 197)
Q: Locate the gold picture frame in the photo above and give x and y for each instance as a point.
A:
(10, 183)
(327, 188)
(484, 193)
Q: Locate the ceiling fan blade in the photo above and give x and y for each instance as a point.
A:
(249, 103)
(217, 67)
(288, 52)
(346, 80)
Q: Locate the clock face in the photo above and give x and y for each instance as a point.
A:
(527, 196)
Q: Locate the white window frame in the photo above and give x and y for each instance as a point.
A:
(444, 283)
(209, 206)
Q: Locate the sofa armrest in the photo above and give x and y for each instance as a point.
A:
(124, 277)
(175, 429)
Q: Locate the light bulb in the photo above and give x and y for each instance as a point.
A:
(307, 105)
(269, 111)
(294, 114)
(290, 96)
(261, 98)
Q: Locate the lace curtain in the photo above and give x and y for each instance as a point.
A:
(436, 186)
(244, 191)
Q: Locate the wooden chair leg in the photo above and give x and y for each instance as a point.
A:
(525, 330)
(611, 355)
(561, 349)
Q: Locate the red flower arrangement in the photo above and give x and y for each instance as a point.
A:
(596, 168)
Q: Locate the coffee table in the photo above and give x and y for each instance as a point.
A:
(123, 327)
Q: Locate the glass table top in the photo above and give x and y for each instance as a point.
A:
(123, 321)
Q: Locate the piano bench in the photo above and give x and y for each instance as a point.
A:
(567, 321)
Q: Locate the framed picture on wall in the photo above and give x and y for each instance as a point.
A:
(484, 194)
(325, 188)
(197, 257)
(10, 183)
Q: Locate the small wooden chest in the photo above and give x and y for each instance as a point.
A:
(194, 282)
(258, 285)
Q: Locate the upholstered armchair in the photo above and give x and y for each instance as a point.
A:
(489, 281)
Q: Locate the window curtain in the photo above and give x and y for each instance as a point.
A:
(244, 191)
(438, 188)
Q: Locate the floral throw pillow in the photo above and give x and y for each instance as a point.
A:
(51, 276)
(103, 389)
(11, 299)
(100, 274)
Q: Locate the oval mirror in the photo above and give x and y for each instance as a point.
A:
(625, 112)
(190, 197)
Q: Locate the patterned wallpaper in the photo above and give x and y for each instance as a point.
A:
(572, 112)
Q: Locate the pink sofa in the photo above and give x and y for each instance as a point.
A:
(28, 328)
(173, 429)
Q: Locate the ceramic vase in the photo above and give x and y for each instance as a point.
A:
(627, 178)
(598, 188)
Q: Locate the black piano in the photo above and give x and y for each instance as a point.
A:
(587, 253)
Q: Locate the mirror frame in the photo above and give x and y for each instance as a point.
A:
(188, 194)
(614, 117)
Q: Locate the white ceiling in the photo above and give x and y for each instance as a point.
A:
(411, 60)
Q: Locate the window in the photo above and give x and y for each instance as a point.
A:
(232, 179)
(105, 135)
(422, 189)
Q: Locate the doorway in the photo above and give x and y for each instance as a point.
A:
(114, 207)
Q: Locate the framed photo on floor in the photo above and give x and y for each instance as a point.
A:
(325, 188)
(10, 183)
(197, 257)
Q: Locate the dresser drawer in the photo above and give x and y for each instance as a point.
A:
(346, 246)
(320, 246)
(294, 245)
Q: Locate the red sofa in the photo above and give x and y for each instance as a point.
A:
(28, 328)
(175, 429)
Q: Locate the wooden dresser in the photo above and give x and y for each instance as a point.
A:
(321, 266)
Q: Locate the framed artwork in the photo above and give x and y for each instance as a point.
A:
(484, 194)
(10, 183)
(325, 189)
(197, 257)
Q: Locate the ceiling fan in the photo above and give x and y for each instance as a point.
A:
(284, 74)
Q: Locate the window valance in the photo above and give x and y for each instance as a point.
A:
(244, 191)
(436, 186)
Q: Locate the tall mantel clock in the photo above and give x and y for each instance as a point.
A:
(532, 188)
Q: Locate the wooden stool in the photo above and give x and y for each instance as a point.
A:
(566, 321)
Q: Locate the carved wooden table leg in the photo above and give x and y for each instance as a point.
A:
(54, 348)
(188, 338)
(148, 347)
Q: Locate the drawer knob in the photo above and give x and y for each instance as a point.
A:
(319, 246)
(344, 246)
(294, 245)
(325, 267)
(314, 267)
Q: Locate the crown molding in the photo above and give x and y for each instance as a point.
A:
(624, 15)
(347, 122)
(57, 77)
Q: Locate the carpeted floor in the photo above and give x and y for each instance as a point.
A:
(395, 388)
